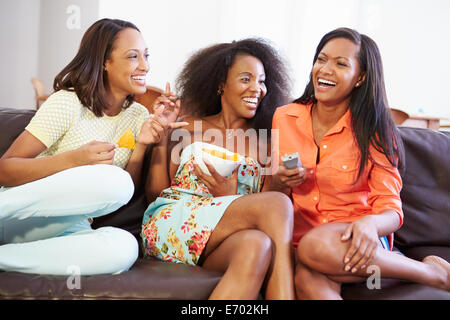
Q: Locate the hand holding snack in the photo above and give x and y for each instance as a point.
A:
(94, 152)
(217, 184)
(127, 140)
(222, 155)
(223, 160)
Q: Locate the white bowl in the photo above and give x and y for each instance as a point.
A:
(223, 166)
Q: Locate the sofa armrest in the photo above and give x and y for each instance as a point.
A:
(425, 194)
(12, 123)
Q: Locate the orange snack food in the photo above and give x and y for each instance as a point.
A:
(127, 140)
(222, 155)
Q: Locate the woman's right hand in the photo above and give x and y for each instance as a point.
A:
(217, 185)
(285, 179)
(94, 152)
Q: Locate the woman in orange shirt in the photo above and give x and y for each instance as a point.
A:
(346, 193)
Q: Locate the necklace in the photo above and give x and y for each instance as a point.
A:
(229, 134)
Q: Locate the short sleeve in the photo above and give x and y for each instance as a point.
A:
(141, 114)
(385, 184)
(275, 145)
(54, 117)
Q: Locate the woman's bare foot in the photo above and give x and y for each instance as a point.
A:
(442, 270)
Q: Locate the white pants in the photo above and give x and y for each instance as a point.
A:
(44, 225)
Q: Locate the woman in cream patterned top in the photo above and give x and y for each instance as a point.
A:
(65, 168)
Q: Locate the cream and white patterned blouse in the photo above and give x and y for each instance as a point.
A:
(62, 124)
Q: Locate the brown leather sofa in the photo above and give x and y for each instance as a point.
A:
(426, 204)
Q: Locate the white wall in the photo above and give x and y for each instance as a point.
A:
(38, 40)
(19, 33)
(62, 25)
(414, 39)
(413, 36)
(172, 30)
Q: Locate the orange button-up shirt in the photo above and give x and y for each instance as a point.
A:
(329, 194)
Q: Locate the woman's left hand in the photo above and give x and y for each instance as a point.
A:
(217, 184)
(364, 242)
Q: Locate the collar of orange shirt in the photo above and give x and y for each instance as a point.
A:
(303, 113)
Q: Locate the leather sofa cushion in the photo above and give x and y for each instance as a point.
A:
(147, 279)
(394, 289)
(418, 253)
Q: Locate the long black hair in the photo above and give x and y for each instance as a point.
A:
(371, 118)
(205, 72)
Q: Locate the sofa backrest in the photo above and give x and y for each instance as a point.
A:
(12, 123)
(426, 189)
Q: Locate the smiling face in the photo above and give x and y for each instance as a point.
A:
(336, 72)
(244, 87)
(127, 64)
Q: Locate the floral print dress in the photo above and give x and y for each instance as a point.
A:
(178, 224)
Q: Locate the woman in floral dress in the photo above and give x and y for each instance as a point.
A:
(230, 92)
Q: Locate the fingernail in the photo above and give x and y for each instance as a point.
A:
(354, 270)
(347, 268)
(346, 260)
